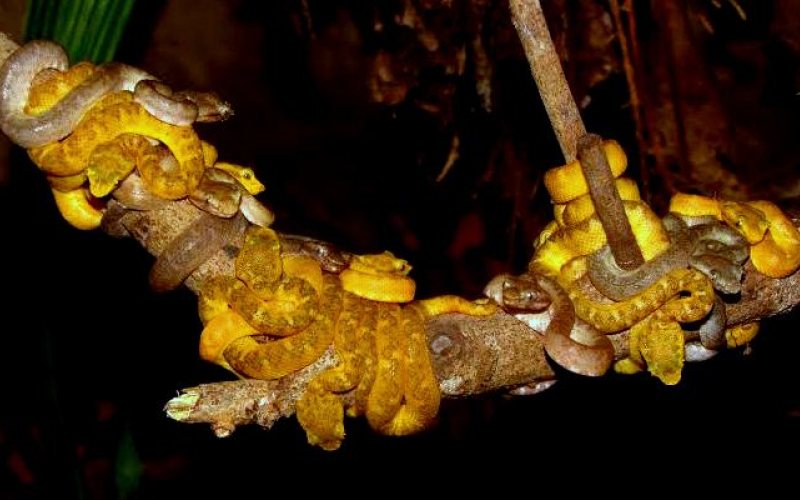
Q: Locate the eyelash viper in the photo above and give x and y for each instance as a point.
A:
(713, 249)
(381, 344)
(561, 252)
(544, 306)
(774, 240)
(43, 102)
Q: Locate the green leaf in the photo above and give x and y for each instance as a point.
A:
(88, 29)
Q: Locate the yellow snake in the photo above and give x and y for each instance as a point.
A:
(774, 240)
(682, 295)
(80, 125)
(381, 345)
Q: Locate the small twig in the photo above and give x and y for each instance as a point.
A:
(607, 202)
(452, 158)
(636, 105)
(653, 134)
(565, 119)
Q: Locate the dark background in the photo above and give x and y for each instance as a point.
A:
(90, 354)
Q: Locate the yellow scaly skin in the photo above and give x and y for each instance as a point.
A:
(383, 356)
(742, 334)
(582, 207)
(271, 300)
(224, 325)
(567, 182)
(774, 240)
(655, 314)
(576, 230)
(321, 411)
(68, 183)
(659, 345)
(210, 154)
(778, 254)
(111, 162)
(45, 95)
(588, 236)
(221, 330)
(115, 115)
(244, 175)
(618, 316)
(381, 277)
(381, 346)
(276, 359)
(658, 341)
(77, 209)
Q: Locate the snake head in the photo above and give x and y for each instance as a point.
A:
(750, 222)
(517, 293)
(381, 277)
(245, 175)
(724, 274)
(379, 264)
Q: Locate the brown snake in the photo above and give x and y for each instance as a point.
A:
(712, 248)
(711, 332)
(568, 340)
(160, 101)
(330, 258)
(196, 244)
(218, 193)
(134, 195)
(180, 108)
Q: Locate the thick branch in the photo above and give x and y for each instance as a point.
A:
(470, 355)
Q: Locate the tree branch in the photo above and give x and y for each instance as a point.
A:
(470, 355)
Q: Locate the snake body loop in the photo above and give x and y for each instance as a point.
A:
(569, 341)
(331, 258)
(710, 247)
(218, 193)
(195, 245)
(711, 332)
(134, 195)
(18, 73)
(160, 101)
(620, 284)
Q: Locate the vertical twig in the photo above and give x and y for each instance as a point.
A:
(654, 141)
(636, 105)
(607, 202)
(531, 26)
(575, 143)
